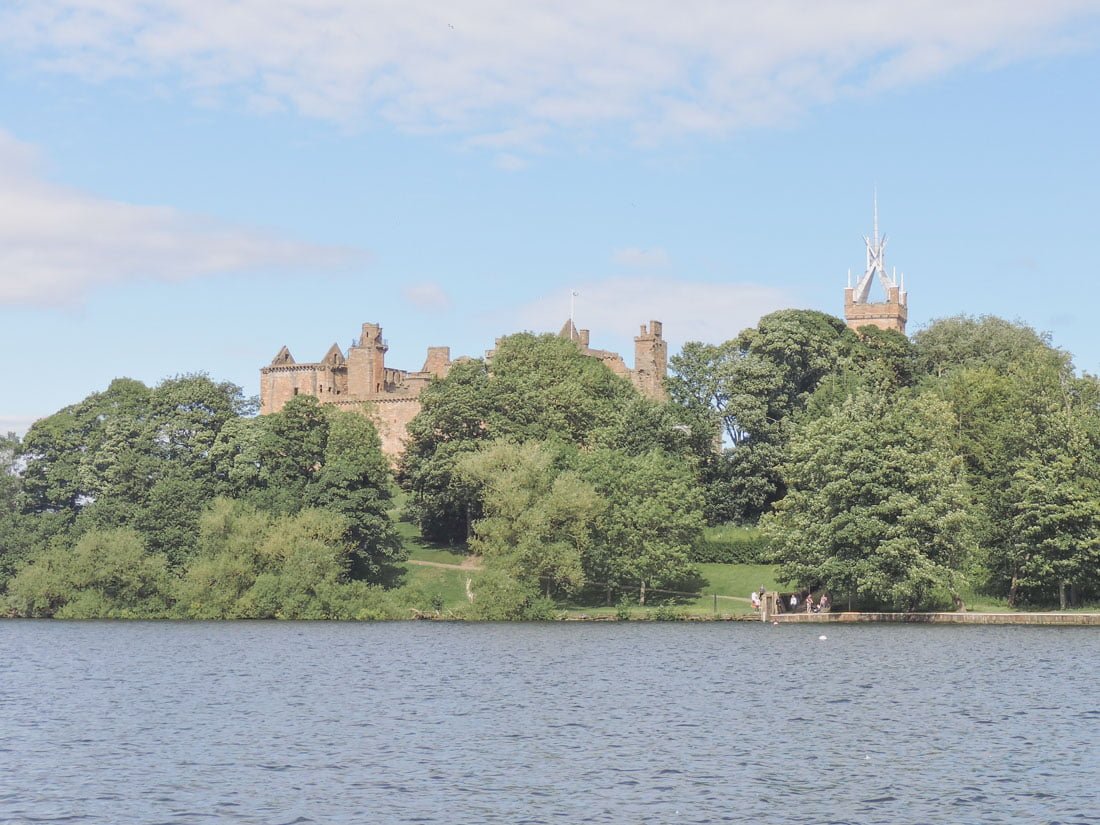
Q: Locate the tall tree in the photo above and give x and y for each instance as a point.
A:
(537, 388)
(877, 506)
(987, 342)
(1056, 527)
(750, 387)
(539, 516)
(652, 521)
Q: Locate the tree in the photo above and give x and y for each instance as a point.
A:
(539, 388)
(1057, 523)
(748, 388)
(987, 342)
(877, 506)
(107, 575)
(1003, 420)
(539, 517)
(450, 424)
(132, 457)
(14, 538)
(354, 482)
(256, 566)
(653, 519)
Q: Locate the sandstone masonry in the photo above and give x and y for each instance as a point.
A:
(391, 397)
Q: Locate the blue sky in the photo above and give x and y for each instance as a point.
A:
(189, 185)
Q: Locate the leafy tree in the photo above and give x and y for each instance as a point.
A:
(131, 457)
(876, 505)
(500, 597)
(64, 453)
(252, 565)
(1003, 420)
(987, 342)
(1057, 522)
(543, 388)
(539, 388)
(312, 455)
(14, 538)
(354, 482)
(538, 518)
(226, 563)
(106, 575)
(750, 387)
(884, 359)
(451, 423)
(653, 519)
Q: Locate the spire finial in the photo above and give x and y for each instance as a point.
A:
(876, 213)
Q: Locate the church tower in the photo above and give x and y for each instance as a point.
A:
(889, 314)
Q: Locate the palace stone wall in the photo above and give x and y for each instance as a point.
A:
(361, 380)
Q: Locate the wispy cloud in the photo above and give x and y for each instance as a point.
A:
(634, 257)
(57, 243)
(513, 72)
(689, 310)
(427, 296)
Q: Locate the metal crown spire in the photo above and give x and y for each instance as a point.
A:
(876, 262)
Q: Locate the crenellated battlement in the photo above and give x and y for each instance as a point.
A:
(360, 377)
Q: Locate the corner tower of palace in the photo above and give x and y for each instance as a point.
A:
(391, 397)
(858, 310)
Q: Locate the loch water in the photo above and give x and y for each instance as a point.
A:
(265, 722)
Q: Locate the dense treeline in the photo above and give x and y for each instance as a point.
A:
(902, 473)
(887, 471)
(177, 500)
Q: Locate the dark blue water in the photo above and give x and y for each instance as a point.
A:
(570, 723)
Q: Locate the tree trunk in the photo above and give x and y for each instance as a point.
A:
(1062, 594)
(641, 595)
(1013, 590)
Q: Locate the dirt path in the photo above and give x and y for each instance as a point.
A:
(468, 563)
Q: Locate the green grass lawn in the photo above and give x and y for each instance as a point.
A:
(432, 583)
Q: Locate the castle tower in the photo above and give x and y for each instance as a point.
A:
(858, 310)
(366, 363)
(650, 361)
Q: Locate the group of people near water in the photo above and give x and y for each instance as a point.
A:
(795, 602)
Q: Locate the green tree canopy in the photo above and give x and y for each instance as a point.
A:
(538, 517)
(988, 342)
(536, 388)
(107, 575)
(876, 505)
(652, 521)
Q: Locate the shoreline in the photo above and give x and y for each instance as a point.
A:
(1071, 619)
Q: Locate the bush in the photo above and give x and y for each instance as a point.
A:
(731, 544)
(668, 613)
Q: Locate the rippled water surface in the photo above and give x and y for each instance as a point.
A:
(569, 723)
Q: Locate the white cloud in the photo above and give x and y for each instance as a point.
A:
(427, 296)
(690, 311)
(509, 70)
(56, 243)
(643, 258)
